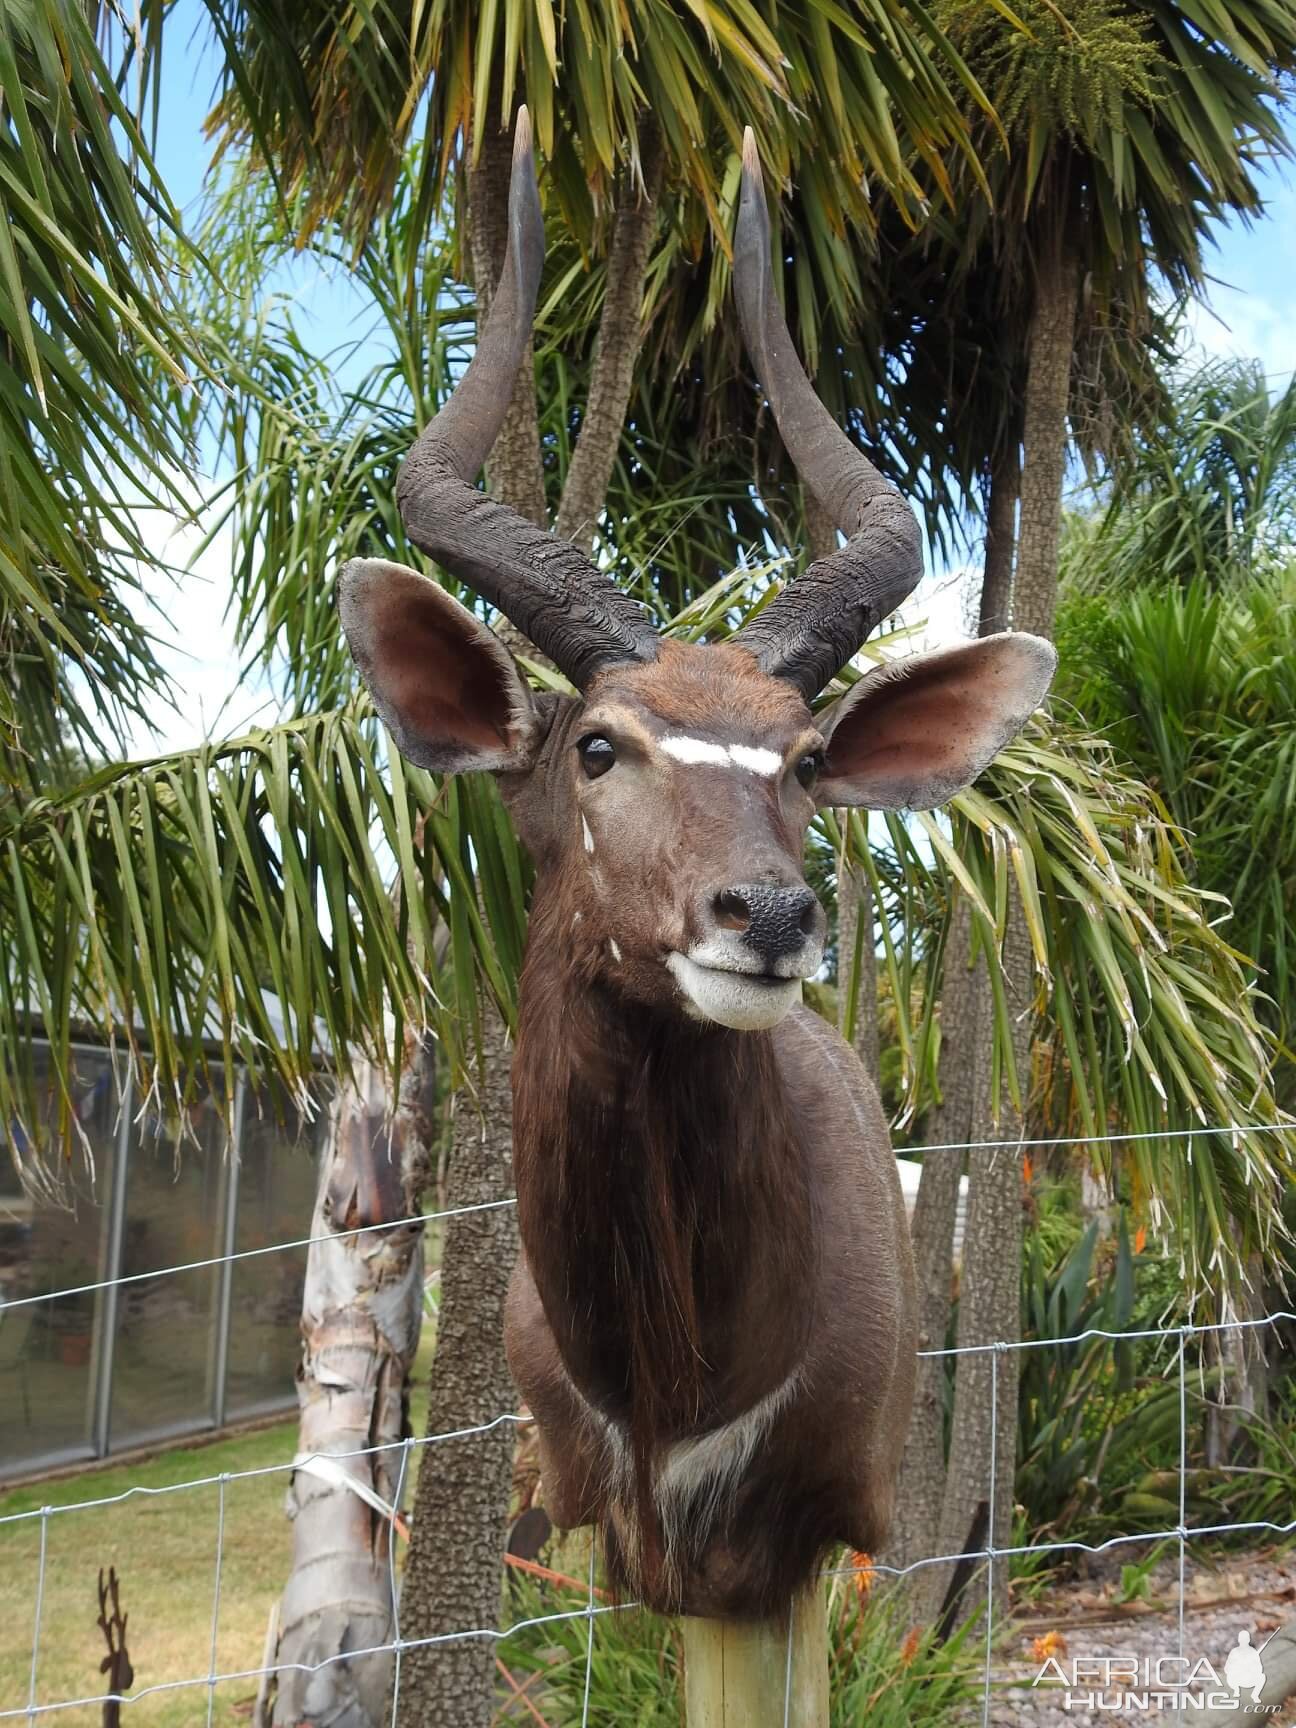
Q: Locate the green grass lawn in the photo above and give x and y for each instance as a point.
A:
(164, 1549)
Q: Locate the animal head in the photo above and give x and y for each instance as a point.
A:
(666, 804)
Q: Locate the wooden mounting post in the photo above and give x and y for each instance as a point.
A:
(736, 1672)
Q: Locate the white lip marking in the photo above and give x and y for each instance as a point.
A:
(616, 952)
(735, 999)
(722, 953)
(758, 761)
(589, 838)
(748, 756)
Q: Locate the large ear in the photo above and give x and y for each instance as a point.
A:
(446, 688)
(913, 733)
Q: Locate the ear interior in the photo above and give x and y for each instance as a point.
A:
(913, 733)
(446, 688)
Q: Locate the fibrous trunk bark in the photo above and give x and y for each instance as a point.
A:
(978, 1498)
(1044, 440)
(978, 1503)
(455, 1564)
(918, 1513)
(616, 346)
(452, 1576)
(360, 1326)
(1243, 1393)
(1000, 544)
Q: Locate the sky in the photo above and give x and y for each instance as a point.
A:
(1250, 312)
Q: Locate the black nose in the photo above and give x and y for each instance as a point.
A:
(773, 921)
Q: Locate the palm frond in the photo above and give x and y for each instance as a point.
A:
(1145, 1017)
(333, 99)
(269, 900)
(92, 347)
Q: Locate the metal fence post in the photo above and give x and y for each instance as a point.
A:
(225, 1288)
(106, 1343)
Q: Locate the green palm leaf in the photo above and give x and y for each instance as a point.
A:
(91, 347)
(239, 898)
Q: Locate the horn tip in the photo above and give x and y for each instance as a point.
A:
(522, 134)
(750, 154)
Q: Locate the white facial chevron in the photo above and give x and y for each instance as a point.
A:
(748, 756)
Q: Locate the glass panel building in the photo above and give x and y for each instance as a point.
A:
(165, 1353)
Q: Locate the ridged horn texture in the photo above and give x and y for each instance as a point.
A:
(808, 632)
(547, 586)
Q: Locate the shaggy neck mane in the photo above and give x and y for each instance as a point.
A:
(662, 1202)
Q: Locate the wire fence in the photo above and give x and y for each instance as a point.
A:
(1180, 1533)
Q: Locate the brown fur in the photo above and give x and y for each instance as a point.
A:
(703, 1212)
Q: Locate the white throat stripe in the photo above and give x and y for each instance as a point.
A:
(748, 756)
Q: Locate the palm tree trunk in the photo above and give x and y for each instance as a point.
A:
(616, 347)
(854, 891)
(1000, 544)
(1044, 440)
(453, 1573)
(360, 1327)
(964, 1007)
(452, 1578)
(855, 909)
(978, 1498)
(983, 1435)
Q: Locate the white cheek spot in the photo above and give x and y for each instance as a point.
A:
(697, 750)
(757, 761)
(616, 952)
(576, 918)
(589, 838)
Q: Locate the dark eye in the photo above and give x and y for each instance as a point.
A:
(807, 769)
(597, 754)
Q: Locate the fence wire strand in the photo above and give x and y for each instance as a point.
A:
(994, 1557)
(415, 1218)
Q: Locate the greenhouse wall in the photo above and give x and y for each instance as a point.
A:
(157, 1357)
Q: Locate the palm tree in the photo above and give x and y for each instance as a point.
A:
(1128, 133)
(339, 471)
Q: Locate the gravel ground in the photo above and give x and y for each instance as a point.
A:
(1223, 1595)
